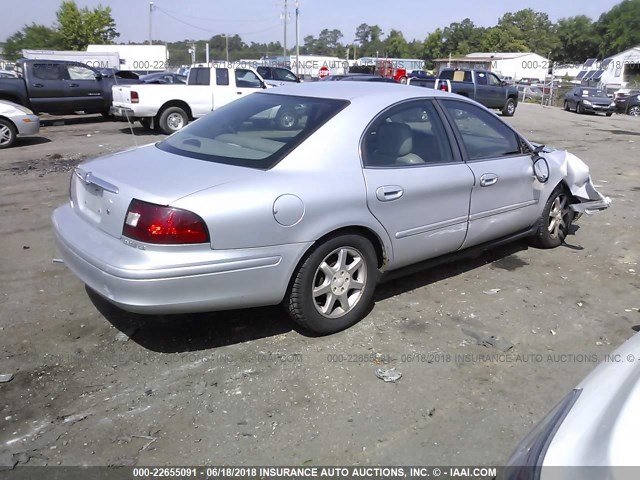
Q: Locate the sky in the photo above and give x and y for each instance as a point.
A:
(262, 20)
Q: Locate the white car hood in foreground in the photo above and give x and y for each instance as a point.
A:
(603, 427)
(577, 177)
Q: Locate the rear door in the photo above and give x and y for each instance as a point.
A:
(417, 185)
(505, 192)
(84, 90)
(224, 91)
(47, 87)
(246, 82)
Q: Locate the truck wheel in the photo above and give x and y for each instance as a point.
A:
(509, 108)
(173, 119)
(403, 80)
(8, 133)
(287, 120)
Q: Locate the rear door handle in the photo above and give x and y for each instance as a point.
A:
(74, 85)
(488, 179)
(389, 192)
(38, 85)
(238, 93)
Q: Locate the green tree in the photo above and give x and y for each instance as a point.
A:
(462, 38)
(395, 45)
(502, 39)
(37, 37)
(578, 39)
(619, 28)
(433, 47)
(78, 28)
(533, 28)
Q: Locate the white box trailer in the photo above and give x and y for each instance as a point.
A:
(97, 60)
(138, 58)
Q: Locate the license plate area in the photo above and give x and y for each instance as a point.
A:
(90, 201)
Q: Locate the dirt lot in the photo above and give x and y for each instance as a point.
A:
(246, 388)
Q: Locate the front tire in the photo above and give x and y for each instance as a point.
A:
(634, 111)
(509, 108)
(173, 119)
(579, 108)
(555, 221)
(286, 120)
(566, 106)
(333, 287)
(8, 133)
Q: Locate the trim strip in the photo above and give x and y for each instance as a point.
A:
(497, 211)
(431, 227)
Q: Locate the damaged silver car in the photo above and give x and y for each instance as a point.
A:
(234, 212)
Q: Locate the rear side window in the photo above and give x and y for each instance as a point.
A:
(255, 131)
(200, 76)
(407, 135)
(48, 71)
(265, 72)
(222, 76)
(484, 135)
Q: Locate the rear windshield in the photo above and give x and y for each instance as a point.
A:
(256, 131)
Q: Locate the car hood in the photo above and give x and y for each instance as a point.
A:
(160, 177)
(576, 175)
(602, 427)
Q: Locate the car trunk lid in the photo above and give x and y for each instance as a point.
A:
(102, 189)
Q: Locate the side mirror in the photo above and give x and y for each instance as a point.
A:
(98, 76)
(504, 83)
(541, 169)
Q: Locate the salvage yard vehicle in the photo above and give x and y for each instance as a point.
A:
(589, 100)
(16, 120)
(628, 102)
(59, 87)
(172, 107)
(589, 431)
(484, 87)
(232, 212)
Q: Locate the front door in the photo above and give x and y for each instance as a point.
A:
(417, 185)
(84, 90)
(505, 193)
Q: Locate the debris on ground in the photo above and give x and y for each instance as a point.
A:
(57, 260)
(390, 375)
(498, 343)
(492, 291)
(146, 437)
(6, 377)
(71, 419)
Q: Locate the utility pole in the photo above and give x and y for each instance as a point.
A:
(297, 38)
(150, 12)
(226, 38)
(285, 28)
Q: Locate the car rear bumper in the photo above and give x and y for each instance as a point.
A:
(152, 282)
(122, 112)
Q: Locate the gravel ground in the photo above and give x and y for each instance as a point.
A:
(94, 385)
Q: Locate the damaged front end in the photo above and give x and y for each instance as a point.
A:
(575, 174)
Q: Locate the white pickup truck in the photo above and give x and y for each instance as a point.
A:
(171, 107)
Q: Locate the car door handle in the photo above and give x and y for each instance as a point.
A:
(38, 85)
(238, 93)
(74, 85)
(389, 192)
(488, 179)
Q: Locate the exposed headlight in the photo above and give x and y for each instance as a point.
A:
(586, 102)
(612, 104)
(526, 460)
(638, 97)
(23, 109)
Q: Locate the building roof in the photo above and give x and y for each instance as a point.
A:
(486, 57)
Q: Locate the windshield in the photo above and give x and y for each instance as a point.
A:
(256, 131)
(593, 92)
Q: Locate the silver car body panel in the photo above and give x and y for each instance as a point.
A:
(25, 123)
(255, 216)
(601, 428)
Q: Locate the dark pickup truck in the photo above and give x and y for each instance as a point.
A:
(482, 86)
(59, 87)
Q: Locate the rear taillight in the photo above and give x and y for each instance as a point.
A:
(134, 97)
(444, 87)
(152, 223)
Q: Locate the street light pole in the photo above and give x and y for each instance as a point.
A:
(150, 12)
(297, 38)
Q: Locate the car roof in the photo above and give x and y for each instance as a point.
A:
(353, 90)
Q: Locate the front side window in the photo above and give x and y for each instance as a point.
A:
(494, 81)
(247, 79)
(78, 72)
(408, 134)
(256, 131)
(483, 134)
(265, 72)
(285, 75)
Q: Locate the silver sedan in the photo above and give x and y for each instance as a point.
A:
(16, 120)
(234, 211)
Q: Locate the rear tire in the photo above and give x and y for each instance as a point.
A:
(333, 287)
(173, 119)
(566, 106)
(286, 120)
(609, 114)
(634, 111)
(555, 220)
(509, 108)
(8, 134)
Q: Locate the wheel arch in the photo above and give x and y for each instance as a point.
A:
(7, 119)
(176, 103)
